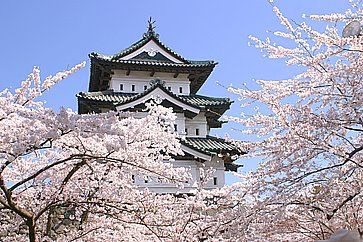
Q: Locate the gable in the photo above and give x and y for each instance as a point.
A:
(152, 49)
(158, 94)
(151, 56)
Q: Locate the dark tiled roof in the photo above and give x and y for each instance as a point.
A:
(106, 96)
(146, 37)
(190, 64)
(118, 98)
(211, 145)
(205, 101)
(198, 70)
(232, 166)
(130, 49)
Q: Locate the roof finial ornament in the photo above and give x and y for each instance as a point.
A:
(151, 29)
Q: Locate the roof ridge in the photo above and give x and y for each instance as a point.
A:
(129, 49)
(150, 34)
(103, 57)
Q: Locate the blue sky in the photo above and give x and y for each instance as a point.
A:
(58, 34)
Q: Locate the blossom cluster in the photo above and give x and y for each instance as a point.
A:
(309, 133)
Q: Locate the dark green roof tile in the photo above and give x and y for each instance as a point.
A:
(118, 98)
(195, 64)
(211, 145)
(106, 96)
(146, 38)
(205, 101)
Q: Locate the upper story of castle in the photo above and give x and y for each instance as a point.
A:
(132, 69)
(148, 69)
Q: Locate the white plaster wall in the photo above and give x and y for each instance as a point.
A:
(216, 164)
(143, 78)
(183, 123)
(198, 122)
(156, 186)
(180, 123)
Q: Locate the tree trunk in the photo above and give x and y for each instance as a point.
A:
(31, 226)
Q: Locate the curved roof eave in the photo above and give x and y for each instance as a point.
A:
(163, 93)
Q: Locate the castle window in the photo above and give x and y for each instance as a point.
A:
(186, 131)
(175, 127)
(133, 88)
(133, 178)
(196, 131)
(215, 181)
(121, 87)
(180, 89)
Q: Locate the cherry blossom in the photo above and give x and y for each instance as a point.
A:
(69, 177)
(308, 131)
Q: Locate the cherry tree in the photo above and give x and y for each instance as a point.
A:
(69, 177)
(68, 166)
(309, 132)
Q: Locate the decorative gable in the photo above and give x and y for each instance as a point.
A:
(151, 56)
(152, 50)
(159, 94)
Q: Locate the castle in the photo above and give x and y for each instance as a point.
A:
(148, 69)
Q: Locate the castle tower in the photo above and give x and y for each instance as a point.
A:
(148, 69)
